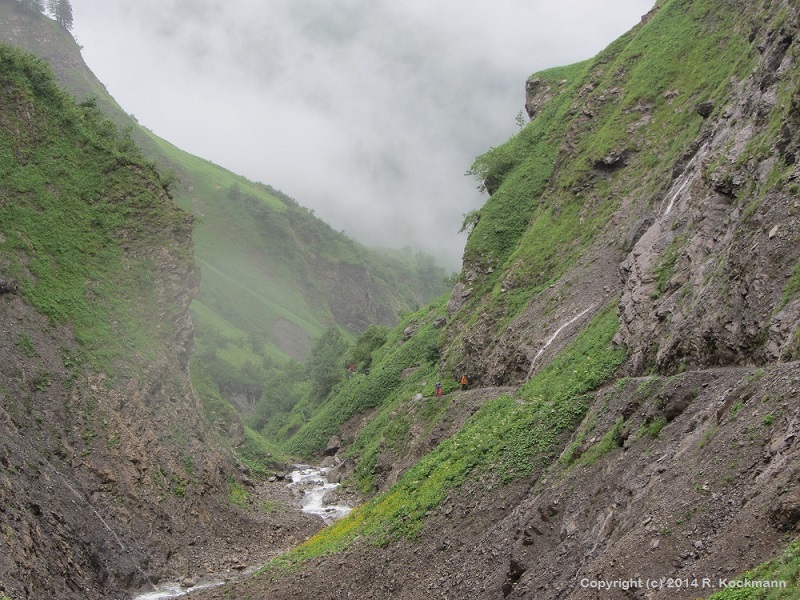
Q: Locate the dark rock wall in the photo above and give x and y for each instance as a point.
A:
(105, 478)
(734, 233)
(108, 469)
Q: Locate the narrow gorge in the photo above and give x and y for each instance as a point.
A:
(603, 403)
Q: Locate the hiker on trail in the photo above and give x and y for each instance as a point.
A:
(464, 381)
(438, 388)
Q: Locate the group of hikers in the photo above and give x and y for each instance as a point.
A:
(463, 381)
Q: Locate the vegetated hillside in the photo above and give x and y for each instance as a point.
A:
(274, 276)
(109, 475)
(629, 319)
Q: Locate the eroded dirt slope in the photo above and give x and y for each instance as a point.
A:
(700, 482)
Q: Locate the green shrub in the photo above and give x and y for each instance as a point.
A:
(361, 353)
(25, 345)
(326, 361)
(654, 427)
(666, 267)
(611, 441)
(792, 290)
(238, 495)
(259, 454)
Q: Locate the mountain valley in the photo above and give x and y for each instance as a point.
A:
(626, 323)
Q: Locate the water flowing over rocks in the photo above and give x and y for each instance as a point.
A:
(174, 590)
(318, 493)
(291, 510)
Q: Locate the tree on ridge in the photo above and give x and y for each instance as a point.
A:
(61, 11)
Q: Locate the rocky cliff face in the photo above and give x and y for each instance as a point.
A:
(706, 284)
(356, 301)
(699, 240)
(92, 471)
(109, 476)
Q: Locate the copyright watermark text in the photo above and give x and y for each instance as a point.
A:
(675, 583)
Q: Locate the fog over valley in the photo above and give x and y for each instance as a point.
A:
(370, 113)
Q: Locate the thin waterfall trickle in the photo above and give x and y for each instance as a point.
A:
(94, 511)
(675, 197)
(553, 337)
(681, 183)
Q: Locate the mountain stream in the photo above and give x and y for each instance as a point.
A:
(312, 483)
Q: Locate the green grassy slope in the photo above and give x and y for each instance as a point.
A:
(274, 277)
(80, 207)
(510, 435)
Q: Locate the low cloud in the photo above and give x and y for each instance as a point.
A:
(368, 111)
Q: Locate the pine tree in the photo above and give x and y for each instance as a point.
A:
(61, 11)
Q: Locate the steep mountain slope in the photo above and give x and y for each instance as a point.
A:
(632, 284)
(274, 277)
(109, 475)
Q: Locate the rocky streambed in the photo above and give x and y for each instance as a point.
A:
(306, 490)
(318, 495)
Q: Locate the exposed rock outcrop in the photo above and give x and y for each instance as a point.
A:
(538, 92)
(110, 475)
(704, 285)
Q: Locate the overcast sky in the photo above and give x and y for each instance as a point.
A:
(368, 111)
